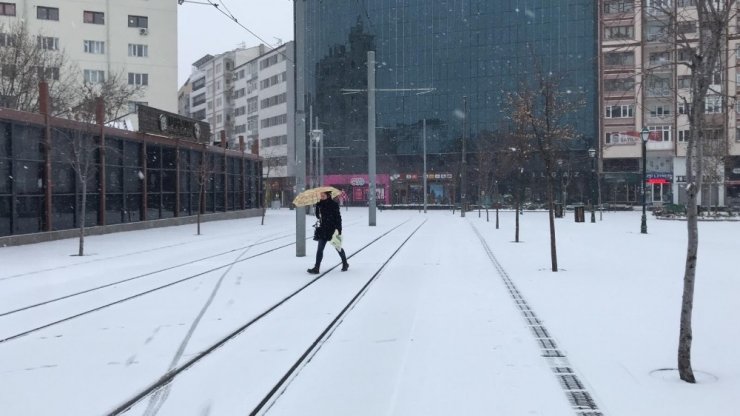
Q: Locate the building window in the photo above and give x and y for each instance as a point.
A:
(199, 99)
(660, 133)
(686, 27)
(141, 51)
(252, 105)
(138, 79)
(618, 6)
(219, 118)
(660, 111)
(47, 13)
(50, 73)
(97, 18)
(685, 54)
(683, 136)
(240, 111)
(219, 102)
(268, 62)
(619, 85)
(48, 43)
(199, 83)
(241, 92)
(619, 59)
(94, 46)
(686, 3)
(138, 21)
(658, 86)
(619, 111)
(93, 76)
(7, 9)
(659, 58)
(619, 32)
(682, 108)
(713, 104)
(274, 121)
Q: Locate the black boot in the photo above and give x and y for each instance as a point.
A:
(315, 270)
(345, 266)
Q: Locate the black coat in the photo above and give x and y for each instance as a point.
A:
(327, 211)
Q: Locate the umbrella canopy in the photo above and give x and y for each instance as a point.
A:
(313, 195)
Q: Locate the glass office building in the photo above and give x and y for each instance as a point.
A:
(477, 49)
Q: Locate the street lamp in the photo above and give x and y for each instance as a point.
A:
(644, 134)
(592, 155)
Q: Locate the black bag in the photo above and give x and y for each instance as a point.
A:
(316, 232)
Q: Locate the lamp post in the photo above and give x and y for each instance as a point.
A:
(592, 155)
(644, 134)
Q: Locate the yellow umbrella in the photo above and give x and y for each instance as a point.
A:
(313, 195)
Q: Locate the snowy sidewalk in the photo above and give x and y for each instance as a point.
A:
(438, 332)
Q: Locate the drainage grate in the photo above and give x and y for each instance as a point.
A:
(533, 321)
(552, 353)
(540, 331)
(570, 382)
(547, 344)
(581, 400)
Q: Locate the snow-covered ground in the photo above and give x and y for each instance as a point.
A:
(437, 332)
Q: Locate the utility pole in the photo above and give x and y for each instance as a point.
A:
(463, 165)
(371, 134)
(371, 157)
(424, 180)
(300, 134)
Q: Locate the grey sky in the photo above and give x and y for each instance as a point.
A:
(202, 29)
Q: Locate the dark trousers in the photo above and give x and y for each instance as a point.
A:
(320, 253)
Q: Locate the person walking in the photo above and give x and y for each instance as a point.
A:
(330, 219)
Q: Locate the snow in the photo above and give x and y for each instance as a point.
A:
(435, 332)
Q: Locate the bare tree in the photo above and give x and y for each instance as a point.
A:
(25, 60)
(271, 163)
(204, 176)
(540, 116)
(704, 55)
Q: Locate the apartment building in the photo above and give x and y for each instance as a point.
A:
(247, 93)
(212, 90)
(643, 85)
(263, 115)
(136, 39)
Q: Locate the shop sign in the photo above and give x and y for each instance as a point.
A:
(357, 181)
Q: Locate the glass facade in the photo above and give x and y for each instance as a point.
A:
(479, 49)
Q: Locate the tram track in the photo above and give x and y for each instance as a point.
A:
(169, 376)
(137, 294)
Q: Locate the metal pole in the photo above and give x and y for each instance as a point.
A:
(424, 139)
(371, 134)
(321, 157)
(463, 165)
(300, 130)
(593, 198)
(643, 224)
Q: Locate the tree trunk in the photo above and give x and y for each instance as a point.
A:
(83, 212)
(551, 215)
(516, 215)
(201, 195)
(687, 303)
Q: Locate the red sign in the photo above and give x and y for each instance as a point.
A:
(657, 181)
